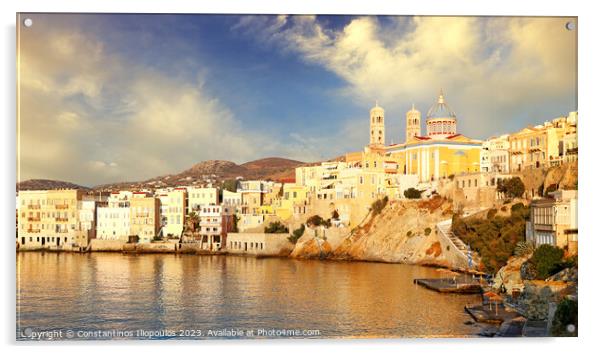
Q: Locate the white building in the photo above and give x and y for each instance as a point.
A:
(201, 196)
(215, 221)
(495, 155)
(172, 212)
(87, 218)
(113, 221)
(232, 199)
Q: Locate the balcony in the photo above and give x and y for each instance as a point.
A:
(142, 215)
(33, 219)
(61, 219)
(33, 206)
(33, 231)
(61, 206)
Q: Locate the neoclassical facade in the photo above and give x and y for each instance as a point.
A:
(438, 154)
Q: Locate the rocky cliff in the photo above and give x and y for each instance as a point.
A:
(404, 232)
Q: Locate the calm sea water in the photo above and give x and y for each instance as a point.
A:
(115, 296)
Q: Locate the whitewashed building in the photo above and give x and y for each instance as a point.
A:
(113, 220)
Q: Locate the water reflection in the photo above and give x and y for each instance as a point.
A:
(153, 292)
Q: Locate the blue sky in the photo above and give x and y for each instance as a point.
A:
(126, 97)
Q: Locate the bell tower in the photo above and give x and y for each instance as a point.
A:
(377, 126)
(413, 127)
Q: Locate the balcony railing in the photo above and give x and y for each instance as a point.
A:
(61, 219)
(61, 206)
(34, 231)
(33, 206)
(33, 219)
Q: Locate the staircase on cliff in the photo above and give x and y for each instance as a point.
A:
(445, 230)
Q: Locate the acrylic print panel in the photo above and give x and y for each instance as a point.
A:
(246, 177)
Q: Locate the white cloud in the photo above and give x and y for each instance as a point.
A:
(491, 68)
(91, 116)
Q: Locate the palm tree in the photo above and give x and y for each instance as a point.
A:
(192, 221)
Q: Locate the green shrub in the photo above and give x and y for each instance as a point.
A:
(276, 228)
(547, 260)
(493, 239)
(412, 193)
(427, 231)
(296, 235)
(378, 205)
(517, 207)
(566, 314)
(491, 213)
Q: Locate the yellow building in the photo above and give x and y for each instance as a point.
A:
(431, 159)
(50, 219)
(542, 145)
(439, 153)
(144, 216)
(293, 196)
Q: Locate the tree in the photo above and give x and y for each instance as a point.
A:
(378, 205)
(412, 193)
(296, 235)
(276, 228)
(315, 220)
(335, 215)
(512, 187)
(551, 188)
(230, 185)
(235, 226)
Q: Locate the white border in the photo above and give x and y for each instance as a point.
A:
(591, 234)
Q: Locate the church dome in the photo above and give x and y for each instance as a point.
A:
(440, 109)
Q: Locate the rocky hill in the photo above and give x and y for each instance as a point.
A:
(404, 232)
(46, 184)
(564, 176)
(216, 171)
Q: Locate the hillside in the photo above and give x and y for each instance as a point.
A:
(404, 232)
(46, 184)
(216, 171)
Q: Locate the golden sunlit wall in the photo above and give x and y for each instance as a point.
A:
(438, 160)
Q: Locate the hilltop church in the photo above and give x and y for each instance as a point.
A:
(441, 152)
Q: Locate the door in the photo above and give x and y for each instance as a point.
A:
(43, 241)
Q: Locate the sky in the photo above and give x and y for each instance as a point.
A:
(114, 97)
